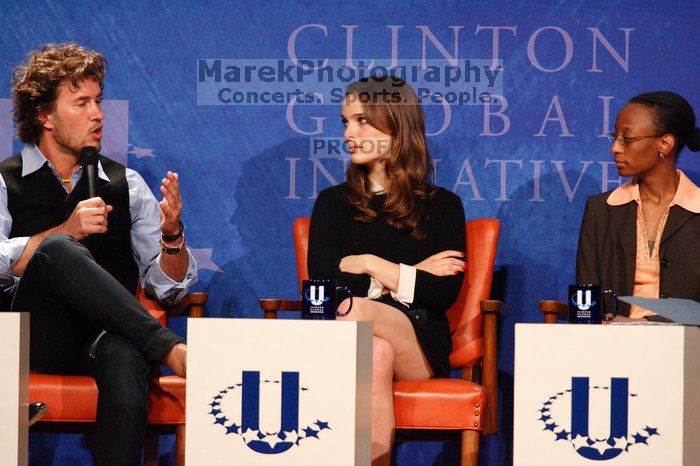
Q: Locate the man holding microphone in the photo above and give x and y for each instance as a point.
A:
(73, 261)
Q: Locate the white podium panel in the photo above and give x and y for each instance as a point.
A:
(14, 389)
(278, 392)
(617, 395)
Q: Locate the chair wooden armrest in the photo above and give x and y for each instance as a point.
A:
(490, 310)
(551, 309)
(192, 305)
(272, 306)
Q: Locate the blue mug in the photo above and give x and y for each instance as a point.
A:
(319, 300)
(586, 304)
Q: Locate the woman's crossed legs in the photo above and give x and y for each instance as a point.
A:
(396, 354)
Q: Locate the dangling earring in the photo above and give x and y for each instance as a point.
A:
(661, 156)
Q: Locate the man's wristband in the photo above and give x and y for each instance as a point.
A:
(171, 250)
(171, 238)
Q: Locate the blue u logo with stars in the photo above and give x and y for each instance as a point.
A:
(593, 448)
(287, 435)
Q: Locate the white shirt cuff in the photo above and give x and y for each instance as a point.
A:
(407, 284)
(10, 252)
(164, 288)
(375, 289)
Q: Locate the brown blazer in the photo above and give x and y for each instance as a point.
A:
(607, 250)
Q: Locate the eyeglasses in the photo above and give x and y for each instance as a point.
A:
(624, 140)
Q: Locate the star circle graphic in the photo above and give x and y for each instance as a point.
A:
(277, 442)
(606, 448)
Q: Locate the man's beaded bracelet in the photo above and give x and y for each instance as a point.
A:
(170, 238)
(171, 250)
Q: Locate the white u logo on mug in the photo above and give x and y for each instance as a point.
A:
(315, 299)
(584, 306)
(320, 299)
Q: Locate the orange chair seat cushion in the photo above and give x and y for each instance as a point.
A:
(438, 404)
(71, 398)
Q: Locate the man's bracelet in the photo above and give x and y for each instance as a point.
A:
(171, 250)
(170, 238)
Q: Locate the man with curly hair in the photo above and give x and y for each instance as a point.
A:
(73, 262)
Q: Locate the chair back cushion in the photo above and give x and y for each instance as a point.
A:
(465, 315)
(301, 248)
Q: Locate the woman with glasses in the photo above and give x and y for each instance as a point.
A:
(643, 238)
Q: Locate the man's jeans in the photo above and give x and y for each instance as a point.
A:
(71, 300)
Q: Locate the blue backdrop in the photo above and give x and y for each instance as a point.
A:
(247, 171)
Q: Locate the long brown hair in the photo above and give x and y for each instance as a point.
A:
(392, 106)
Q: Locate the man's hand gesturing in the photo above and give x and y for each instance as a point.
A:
(171, 205)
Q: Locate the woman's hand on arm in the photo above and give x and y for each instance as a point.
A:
(385, 272)
(443, 263)
(439, 292)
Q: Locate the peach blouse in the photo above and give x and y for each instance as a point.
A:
(647, 272)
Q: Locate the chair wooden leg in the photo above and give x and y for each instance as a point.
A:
(150, 450)
(180, 444)
(470, 447)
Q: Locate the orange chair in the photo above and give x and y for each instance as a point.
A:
(72, 400)
(437, 409)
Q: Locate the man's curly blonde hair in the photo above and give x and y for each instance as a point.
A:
(35, 83)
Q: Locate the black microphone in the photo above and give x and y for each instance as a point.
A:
(88, 160)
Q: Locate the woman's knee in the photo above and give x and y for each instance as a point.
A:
(360, 310)
(383, 356)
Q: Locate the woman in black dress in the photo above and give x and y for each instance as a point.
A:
(394, 239)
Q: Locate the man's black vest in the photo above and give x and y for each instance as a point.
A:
(38, 202)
